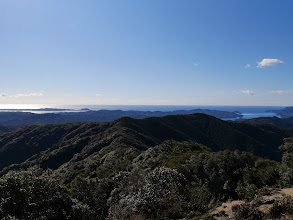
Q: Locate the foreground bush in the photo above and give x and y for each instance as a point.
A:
(34, 199)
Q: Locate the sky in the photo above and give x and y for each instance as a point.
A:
(146, 52)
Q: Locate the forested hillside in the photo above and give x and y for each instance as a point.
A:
(4, 128)
(279, 122)
(52, 145)
(173, 180)
(155, 168)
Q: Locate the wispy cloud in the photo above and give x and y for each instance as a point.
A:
(195, 64)
(98, 95)
(20, 95)
(248, 92)
(247, 66)
(34, 94)
(269, 62)
(278, 92)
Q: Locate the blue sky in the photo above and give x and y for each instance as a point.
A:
(162, 52)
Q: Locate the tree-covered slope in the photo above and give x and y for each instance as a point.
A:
(4, 128)
(279, 122)
(173, 180)
(53, 145)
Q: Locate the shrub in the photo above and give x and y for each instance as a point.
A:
(282, 207)
(245, 211)
(246, 192)
(286, 170)
(36, 198)
(156, 194)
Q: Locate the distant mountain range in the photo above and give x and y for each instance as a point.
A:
(26, 118)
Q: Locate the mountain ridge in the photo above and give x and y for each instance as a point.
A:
(53, 145)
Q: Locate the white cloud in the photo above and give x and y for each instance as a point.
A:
(247, 66)
(20, 95)
(98, 95)
(269, 62)
(248, 92)
(278, 92)
(3, 95)
(195, 64)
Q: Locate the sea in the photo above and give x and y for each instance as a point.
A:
(248, 112)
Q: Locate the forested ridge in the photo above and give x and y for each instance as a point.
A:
(170, 167)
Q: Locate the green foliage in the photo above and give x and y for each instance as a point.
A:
(153, 194)
(199, 199)
(221, 171)
(287, 162)
(90, 198)
(246, 192)
(179, 152)
(34, 199)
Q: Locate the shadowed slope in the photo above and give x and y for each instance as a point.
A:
(51, 146)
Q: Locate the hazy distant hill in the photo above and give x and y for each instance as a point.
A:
(279, 122)
(51, 146)
(25, 118)
(285, 112)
